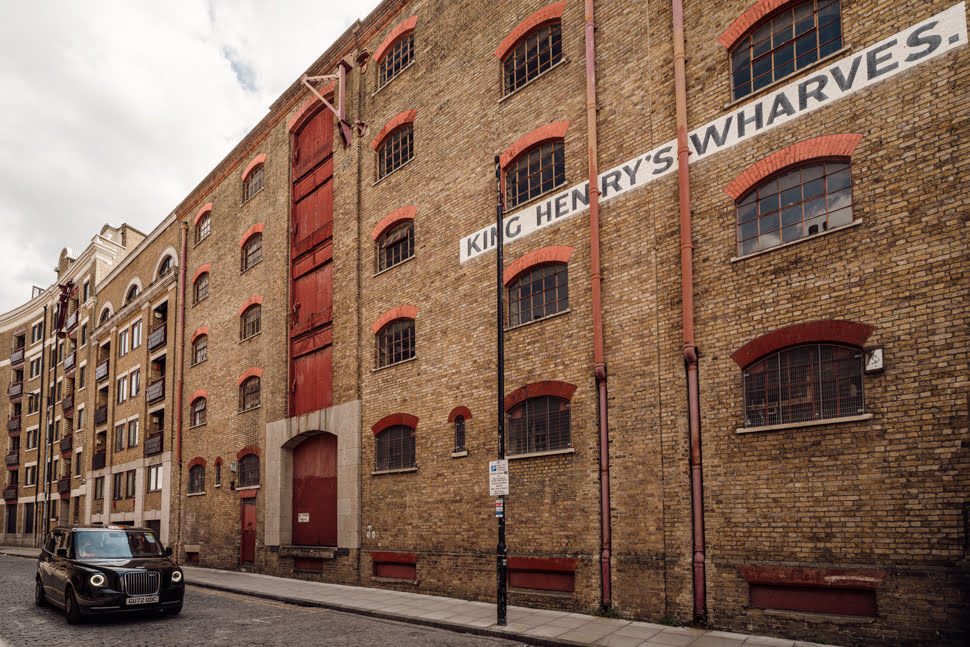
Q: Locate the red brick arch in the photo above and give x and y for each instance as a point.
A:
(553, 254)
(201, 330)
(459, 411)
(403, 29)
(198, 460)
(562, 390)
(248, 449)
(253, 300)
(826, 330)
(398, 120)
(199, 393)
(555, 130)
(259, 159)
(400, 312)
(255, 229)
(206, 208)
(749, 19)
(248, 373)
(817, 147)
(199, 272)
(546, 14)
(405, 419)
(396, 216)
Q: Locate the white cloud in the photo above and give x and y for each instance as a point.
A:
(112, 111)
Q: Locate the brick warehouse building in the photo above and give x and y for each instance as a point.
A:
(783, 398)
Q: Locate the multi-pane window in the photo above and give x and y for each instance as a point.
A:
(248, 471)
(132, 433)
(804, 383)
(534, 172)
(200, 348)
(135, 335)
(395, 342)
(398, 57)
(134, 381)
(154, 478)
(200, 289)
(250, 321)
(799, 202)
(249, 394)
(394, 448)
(397, 149)
(459, 433)
(197, 479)
(202, 228)
(253, 183)
(130, 484)
(122, 343)
(117, 486)
(538, 293)
(395, 245)
(251, 253)
(789, 40)
(99, 488)
(120, 437)
(539, 425)
(35, 368)
(533, 55)
(198, 411)
(30, 475)
(122, 388)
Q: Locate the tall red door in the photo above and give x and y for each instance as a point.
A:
(248, 550)
(315, 491)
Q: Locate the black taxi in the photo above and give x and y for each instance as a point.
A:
(89, 570)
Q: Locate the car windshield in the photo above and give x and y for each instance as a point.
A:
(116, 544)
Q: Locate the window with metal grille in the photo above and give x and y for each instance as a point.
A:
(197, 479)
(200, 348)
(398, 57)
(395, 245)
(459, 433)
(787, 41)
(533, 55)
(198, 411)
(202, 228)
(534, 172)
(397, 149)
(249, 394)
(538, 293)
(253, 183)
(804, 383)
(798, 202)
(252, 252)
(395, 342)
(248, 471)
(539, 425)
(394, 448)
(250, 321)
(200, 289)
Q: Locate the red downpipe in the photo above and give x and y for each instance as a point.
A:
(180, 336)
(687, 298)
(597, 280)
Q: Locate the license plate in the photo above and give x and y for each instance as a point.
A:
(144, 599)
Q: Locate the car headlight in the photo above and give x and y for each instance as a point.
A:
(97, 579)
(176, 576)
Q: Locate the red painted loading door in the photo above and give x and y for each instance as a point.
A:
(315, 491)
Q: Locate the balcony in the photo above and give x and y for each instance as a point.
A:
(67, 444)
(153, 444)
(64, 486)
(15, 391)
(155, 391)
(71, 322)
(67, 404)
(156, 338)
(70, 362)
(17, 357)
(10, 493)
(13, 425)
(101, 372)
(101, 416)
(13, 459)
(98, 460)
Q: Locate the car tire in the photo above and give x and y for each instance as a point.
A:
(39, 598)
(71, 608)
(174, 610)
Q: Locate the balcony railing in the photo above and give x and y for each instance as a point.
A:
(64, 485)
(13, 459)
(71, 322)
(100, 416)
(67, 443)
(101, 372)
(155, 391)
(17, 357)
(153, 445)
(13, 425)
(10, 492)
(70, 362)
(15, 390)
(67, 404)
(97, 461)
(156, 338)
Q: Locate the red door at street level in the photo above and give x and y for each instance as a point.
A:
(248, 551)
(315, 491)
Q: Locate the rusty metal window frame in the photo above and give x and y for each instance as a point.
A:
(248, 471)
(395, 245)
(535, 171)
(199, 412)
(539, 292)
(394, 449)
(395, 342)
(202, 228)
(252, 252)
(784, 42)
(540, 424)
(197, 479)
(535, 53)
(253, 183)
(200, 349)
(396, 150)
(398, 57)
(200, 289)
(250, 321)
(249, 394)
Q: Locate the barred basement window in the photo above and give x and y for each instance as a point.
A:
(395, 245)
(398, 57)
(202, 228)
(785, 42)
(394, 448)
(538, 293)
(798, 202)
(200, 289)
(200, 349)
(198, 411)
(252, 252)
(533, 55)
(539, 425)
(804, 383)
(248, 471)
(395, 342)
(249, 323)
(534, 172)
(395, 151)
(253, 183)
(459, 433)
(197, 479)
(249, 394)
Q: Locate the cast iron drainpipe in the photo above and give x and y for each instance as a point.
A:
(180, 336)
(687, 298)
(597, 280)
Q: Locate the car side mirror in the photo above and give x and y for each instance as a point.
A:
(62, 552)
(168, 551)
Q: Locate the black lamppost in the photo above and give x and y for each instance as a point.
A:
(501, 557)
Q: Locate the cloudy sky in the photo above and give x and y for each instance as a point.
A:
(111, 111)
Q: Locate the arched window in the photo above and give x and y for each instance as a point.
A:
(397, 149)
(534, 54)
(797, 202)
(199, 349)
(459, 433)
(394, 448)
(539, 292)
(165, 267)
(395, 245)
(249, 394)
(251, 253)
(202, 228)
(105, 315)
(539, 425)
(253, 183)
(198, 411)
(200, 289)
(132, 293)
(804, 383)
(395, 342)
(197, 479)
(249, 322)
(398, 57)
(248, 471)
(535, 171)
(787, 40)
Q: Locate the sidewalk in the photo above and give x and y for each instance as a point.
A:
(532, 626)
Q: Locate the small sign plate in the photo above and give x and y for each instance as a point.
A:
(499, 508)
(498, 478)
(303, 517)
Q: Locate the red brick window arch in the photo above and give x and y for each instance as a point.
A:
(538, 417)
(394, 236)
(775, 38)
(394, 442)
(395, 342)
(538, 285)
(248, 471)
(253, 177)
(535, 164)
(203, 223)
(395, 143)
(197, 476)
(396, 52)
(251, 252)
(533, 47)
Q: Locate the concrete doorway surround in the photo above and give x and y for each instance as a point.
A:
(282, 436)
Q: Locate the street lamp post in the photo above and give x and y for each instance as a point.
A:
(501, 557)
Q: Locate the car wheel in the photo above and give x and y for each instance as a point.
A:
(39, 598)
(174, 610)
(71, 608)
